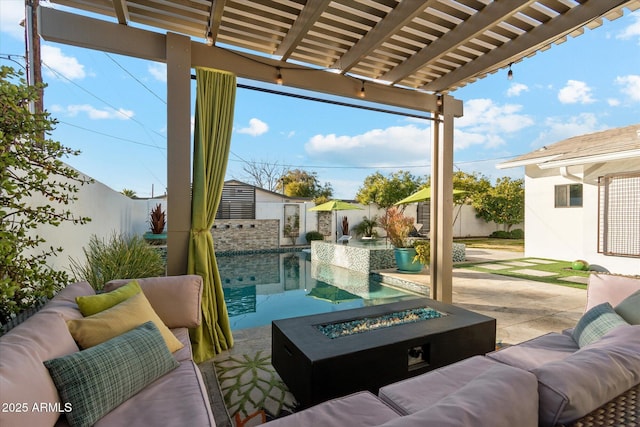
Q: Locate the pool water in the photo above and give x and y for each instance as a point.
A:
(259, 288)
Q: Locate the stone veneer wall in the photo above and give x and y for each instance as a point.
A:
(245, 234)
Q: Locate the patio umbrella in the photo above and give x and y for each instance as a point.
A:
(422, 195)
(335, 205)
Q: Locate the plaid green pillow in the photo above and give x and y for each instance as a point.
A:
(96, 380)
(595, 323)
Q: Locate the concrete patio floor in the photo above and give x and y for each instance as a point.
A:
(523, 309)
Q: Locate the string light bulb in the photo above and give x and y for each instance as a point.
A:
(362, 93)
(279, 76)
(510, 72)
(209, 38)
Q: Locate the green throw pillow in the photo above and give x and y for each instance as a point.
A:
(92, 304)
(95, 381)
(629, 308)
(595, 323)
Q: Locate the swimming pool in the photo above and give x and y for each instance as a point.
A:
(259, 288)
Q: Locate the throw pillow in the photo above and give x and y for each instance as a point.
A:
(92, 304)
(93, 382)
(595, 323)
(118, 319)
(629, 308)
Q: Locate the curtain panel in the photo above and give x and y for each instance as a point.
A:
(215, 100)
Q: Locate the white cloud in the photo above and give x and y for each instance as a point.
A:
(486, 123)
(67, 66)
(613, 102)
(630, 86)
(575, 92)
(158, 71)
(558, 129)
(11, 13)
(516, 89)
(632, 30)
(256, 127)
(93, 113)
(396, 145)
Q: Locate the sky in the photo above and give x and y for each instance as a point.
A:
(113, 109)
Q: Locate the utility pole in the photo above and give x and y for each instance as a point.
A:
(32, 46)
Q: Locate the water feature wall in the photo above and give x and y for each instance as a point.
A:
(363, 258)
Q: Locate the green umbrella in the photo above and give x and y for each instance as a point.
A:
(421, 196)
(335, 205)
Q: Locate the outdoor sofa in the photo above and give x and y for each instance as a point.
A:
(554, 379)
(132, 379)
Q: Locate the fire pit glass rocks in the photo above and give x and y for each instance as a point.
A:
(356, 326)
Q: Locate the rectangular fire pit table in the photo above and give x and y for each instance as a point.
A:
(316, 367)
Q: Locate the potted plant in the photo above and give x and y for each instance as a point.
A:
(157, 223)
(398, 228)
(367, 227)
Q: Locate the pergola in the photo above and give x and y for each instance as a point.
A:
(404, 53)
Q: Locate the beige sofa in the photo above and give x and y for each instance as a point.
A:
(29, 396)
(550, 380)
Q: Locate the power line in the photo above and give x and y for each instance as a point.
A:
(135, 78)
(112, 136)
(138, 122)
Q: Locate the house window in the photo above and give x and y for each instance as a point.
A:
(569, 195)
(619, 215)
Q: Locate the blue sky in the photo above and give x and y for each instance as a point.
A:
(113, 109)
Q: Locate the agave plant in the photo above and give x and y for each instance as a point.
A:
(158, 219)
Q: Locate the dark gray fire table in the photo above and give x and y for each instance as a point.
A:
(317, 368)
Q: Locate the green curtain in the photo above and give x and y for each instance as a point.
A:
(215, 98)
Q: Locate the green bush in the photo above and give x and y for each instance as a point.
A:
(517, 233)
(118, 257)
(314, 235)
(500, 234)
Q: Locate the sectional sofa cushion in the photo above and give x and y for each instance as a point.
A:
(595, 323)
(537, 351)
(361, 409)
(629, 308)
(94, 381)
(118, 319)
(92, 304)
(501, 396)
(609, 288)
(573, 387)
(176, 299)
(23, 377)
(168, 401)
(414, 394)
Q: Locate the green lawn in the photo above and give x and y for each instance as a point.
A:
(515, 245)
(559, 269)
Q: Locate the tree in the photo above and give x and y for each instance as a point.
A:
(385, 191)
(474, 185)
(299, 183)
(503, 203)
(30, 170)
(263, 174)
(129, 193)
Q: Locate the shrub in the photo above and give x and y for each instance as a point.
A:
(314, 235)
(500, 234)
(423, 251)
(367, 227)
(119, 257)
(517, 233)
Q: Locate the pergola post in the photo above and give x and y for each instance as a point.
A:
(441, 265)
(178, 152)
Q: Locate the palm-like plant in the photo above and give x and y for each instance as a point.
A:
(158, 219)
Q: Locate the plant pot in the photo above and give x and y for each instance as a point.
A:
(404, 260)
(155, 239)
